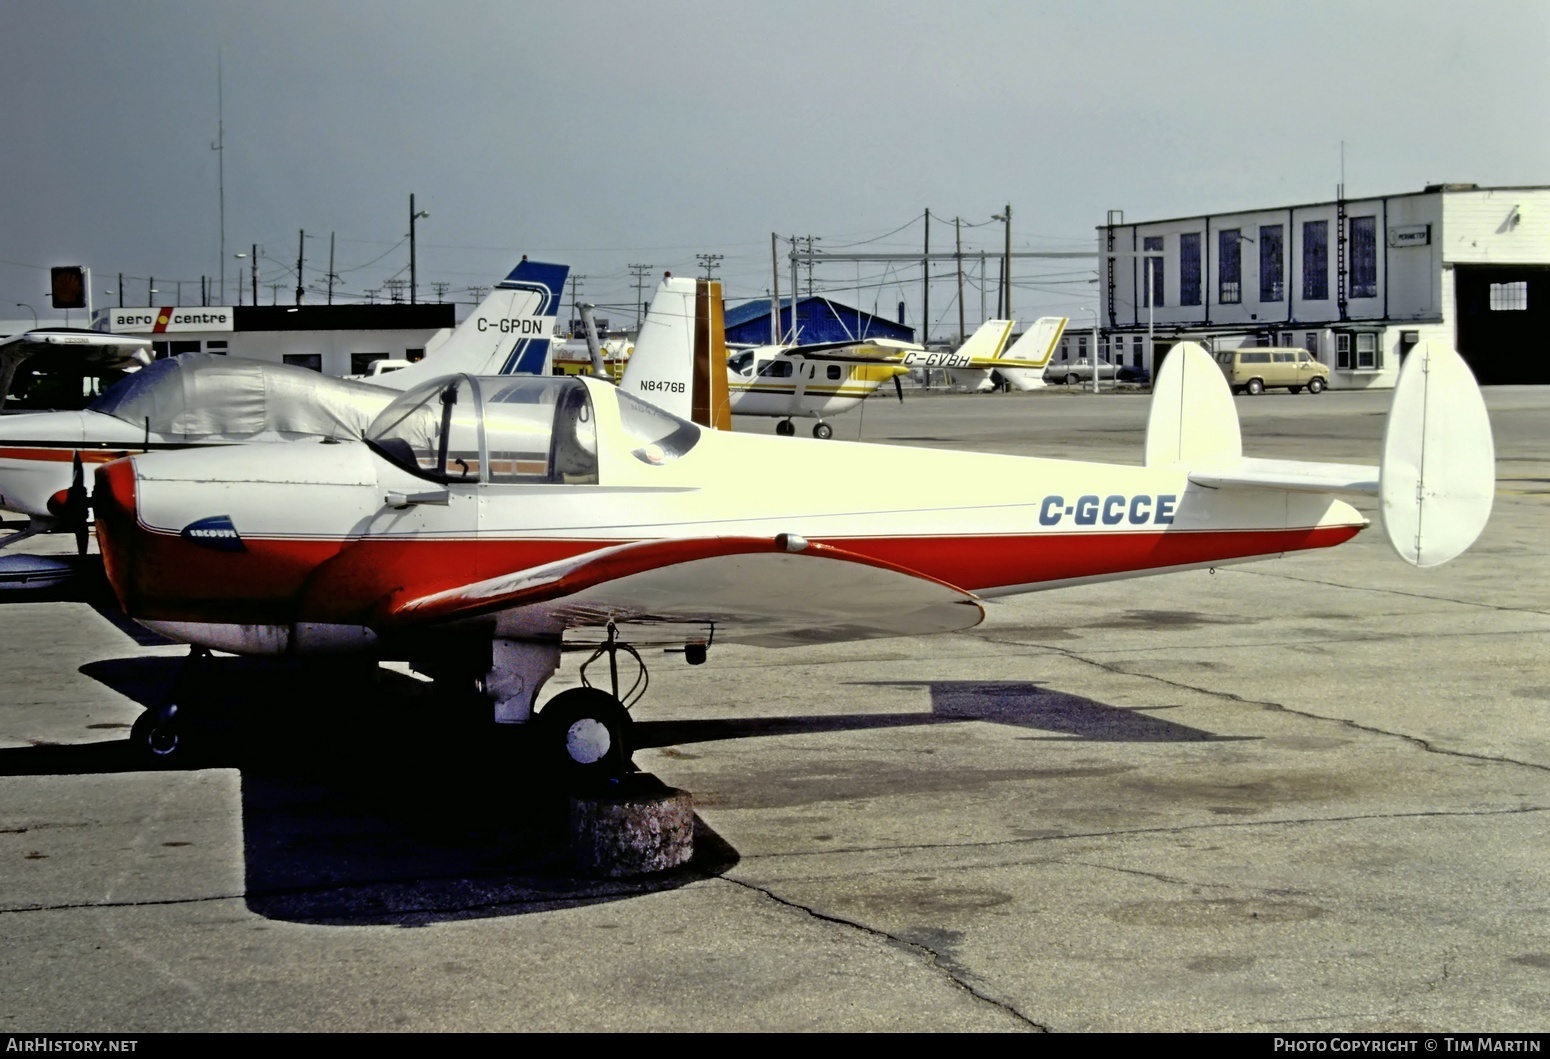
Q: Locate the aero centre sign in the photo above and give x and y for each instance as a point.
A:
(149, 320)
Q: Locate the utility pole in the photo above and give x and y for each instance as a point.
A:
(709, 262)
(253, 270)
(958, 237)
(810, 241)
(274, 292)
(575, 286)
(775, 295)
(120, 290)
(219, 147)
(150, 290)
(332, 279)
(925, 286)
(793, 333)
(395, 288)
(301, 253)
(639, 272)
(440, 287)
(478, 293)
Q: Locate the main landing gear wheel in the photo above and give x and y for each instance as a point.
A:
(583, 737)
(157, 737)
(785, 428)
(823, 430)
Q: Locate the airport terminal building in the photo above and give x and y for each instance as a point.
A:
(333, 339)
(1356, 282)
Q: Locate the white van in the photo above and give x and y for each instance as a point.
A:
(1254, 369)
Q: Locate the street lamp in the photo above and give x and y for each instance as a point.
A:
(1006, 264)
(242, 256)
(1092, 357)
(413, 216)
(30, 309)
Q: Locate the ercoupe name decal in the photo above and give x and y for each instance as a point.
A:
(215, 532)
(1115, 510)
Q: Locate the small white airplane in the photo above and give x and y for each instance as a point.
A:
(486, 524)
(206, 399)
(69, 351)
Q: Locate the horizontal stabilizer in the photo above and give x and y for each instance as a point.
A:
(1439, 459)
(1294, 475)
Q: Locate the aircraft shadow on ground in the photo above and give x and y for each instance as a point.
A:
(369, 801)
(1020, 704)
(367, 804)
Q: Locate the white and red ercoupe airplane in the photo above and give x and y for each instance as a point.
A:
(497, 520)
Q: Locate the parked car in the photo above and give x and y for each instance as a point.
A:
(1254, 369)
(1075, 371)
(1137, 375)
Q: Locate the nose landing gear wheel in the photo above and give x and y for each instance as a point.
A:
(583, 737)
(785, 428)
(157, 738)
(823, 430)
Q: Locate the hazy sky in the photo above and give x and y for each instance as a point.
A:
(607, 134)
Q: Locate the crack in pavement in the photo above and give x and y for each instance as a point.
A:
(1386, 591)
(1174, 829)
(934, 959)
(1278, 707)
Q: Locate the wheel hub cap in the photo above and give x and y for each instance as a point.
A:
(587, 741)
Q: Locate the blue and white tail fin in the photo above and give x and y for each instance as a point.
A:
(1036, 345)
(1435, 484)
(510, 333)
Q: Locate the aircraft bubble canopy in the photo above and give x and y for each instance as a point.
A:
(498, 429)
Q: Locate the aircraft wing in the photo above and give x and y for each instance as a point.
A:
(79, 348)
(780, 591)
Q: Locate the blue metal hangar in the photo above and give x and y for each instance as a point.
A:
(818, 319)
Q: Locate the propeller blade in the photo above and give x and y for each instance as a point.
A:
(898, 388)
(77, 503)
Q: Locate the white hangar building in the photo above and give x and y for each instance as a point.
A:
(1357, 282)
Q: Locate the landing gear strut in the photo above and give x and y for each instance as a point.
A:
(159, 736)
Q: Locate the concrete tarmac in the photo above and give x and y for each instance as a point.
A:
(1306, 794)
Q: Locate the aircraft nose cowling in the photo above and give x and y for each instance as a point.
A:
(114, 500)
(229, 535)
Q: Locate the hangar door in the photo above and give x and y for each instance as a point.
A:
(1503, 321)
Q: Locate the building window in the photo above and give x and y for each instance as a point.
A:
(1310, 342)
(1230, 272)
(1367, 352)
(1081, 346)
(1364, 257)
(218, 348)
(1509, 297)
(1189, 268)
(1358, 352)
(1135, 351)
(305, 360)
(1155, 267)
(1315, 261)
(360, 363)
(1272, 285)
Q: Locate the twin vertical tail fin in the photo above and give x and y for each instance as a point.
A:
(1036, 345)
(510, 333)
(1435, 484)
(680, 359)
